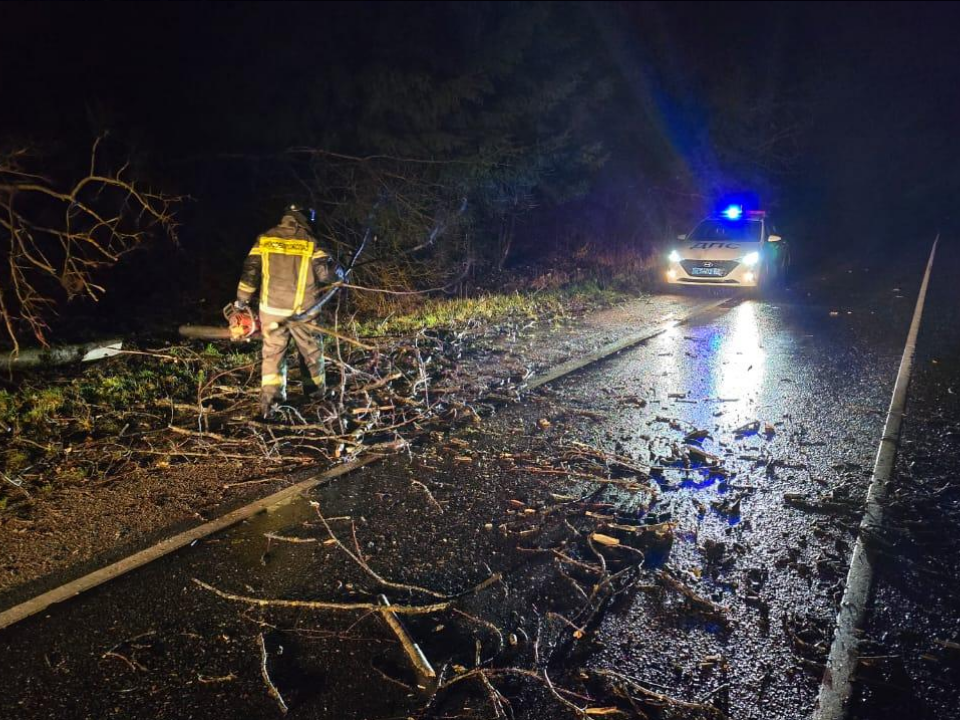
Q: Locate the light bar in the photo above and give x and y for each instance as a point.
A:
(733, 212)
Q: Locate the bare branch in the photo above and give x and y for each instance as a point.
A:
(56, 243)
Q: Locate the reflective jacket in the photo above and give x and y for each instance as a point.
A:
(288, 267)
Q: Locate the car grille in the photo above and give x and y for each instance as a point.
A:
(708, 268)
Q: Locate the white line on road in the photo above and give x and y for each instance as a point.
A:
(836, 687)
(563, 369)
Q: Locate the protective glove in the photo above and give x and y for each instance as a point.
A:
(341, 273)
(241, 304)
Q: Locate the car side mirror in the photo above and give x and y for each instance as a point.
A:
(774, 238)
(681, 237)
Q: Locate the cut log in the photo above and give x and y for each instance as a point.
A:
(64, 355)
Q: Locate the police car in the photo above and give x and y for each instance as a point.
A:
(732, 248)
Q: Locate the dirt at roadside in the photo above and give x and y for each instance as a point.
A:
(88, 520)
(75, 524)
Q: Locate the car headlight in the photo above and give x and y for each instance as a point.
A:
(751, 259)
(674, 256)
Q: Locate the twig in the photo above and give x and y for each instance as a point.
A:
(358, 558)
(285, 538)
(249, 482)
(198, 433)
(271, 688)
(134, 665)
(225, 456)
(628, 484)
(487, 624)
(659, 697)
(429, 495)
(389, 679)
(702, 603)
(212, 680)
(326, 606)
(159, 356)
(313, 327)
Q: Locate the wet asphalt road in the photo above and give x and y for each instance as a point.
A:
(817, 365)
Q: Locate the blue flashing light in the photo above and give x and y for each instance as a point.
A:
(733, 212)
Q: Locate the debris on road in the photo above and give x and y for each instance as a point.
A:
(268, 681)
(829, 507)
(755, 427)
(696, 436)
(604, 539)
(700, 456)
(413, 651)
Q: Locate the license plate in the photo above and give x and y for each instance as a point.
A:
(714, 272)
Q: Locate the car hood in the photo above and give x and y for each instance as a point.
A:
(705, 250)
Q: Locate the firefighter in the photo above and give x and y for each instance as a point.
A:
(289, 268)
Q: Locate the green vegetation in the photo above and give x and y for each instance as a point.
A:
(46, 413)
(490, 310)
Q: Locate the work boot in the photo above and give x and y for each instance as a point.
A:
(269, 406)
(271, 415)
(312, 391)
(270, 398)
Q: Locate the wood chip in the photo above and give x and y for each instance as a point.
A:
(604, 539)
(597, 711)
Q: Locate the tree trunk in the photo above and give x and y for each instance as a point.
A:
(64, 355)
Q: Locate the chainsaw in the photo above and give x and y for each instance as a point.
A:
(243, 325)
(243, 322)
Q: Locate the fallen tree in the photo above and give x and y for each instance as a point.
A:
(57, 240)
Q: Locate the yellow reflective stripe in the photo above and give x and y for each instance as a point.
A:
(319, 254)
(271, 379)
(265, 271)
(256, 251)
(276, 311)
(285, 246)
(301, 284)
(295, 253)
(246, 288)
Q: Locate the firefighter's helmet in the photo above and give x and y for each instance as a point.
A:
(303, 215)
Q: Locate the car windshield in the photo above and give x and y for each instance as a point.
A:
(726, 231)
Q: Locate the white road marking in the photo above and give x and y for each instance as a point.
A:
(836, 688)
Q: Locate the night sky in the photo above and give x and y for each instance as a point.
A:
(869, 90)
